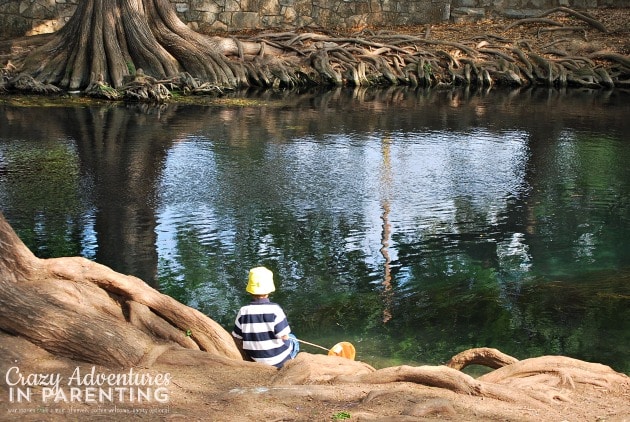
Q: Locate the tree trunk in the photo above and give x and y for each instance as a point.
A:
(76, 308)
(109, 40)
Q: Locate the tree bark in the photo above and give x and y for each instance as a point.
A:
(485, 356)
(108, 40)
(76, 308)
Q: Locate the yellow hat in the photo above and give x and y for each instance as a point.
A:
(260, 281)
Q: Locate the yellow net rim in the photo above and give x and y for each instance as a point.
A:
(343, 349)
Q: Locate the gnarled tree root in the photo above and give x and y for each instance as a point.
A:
(543, 385)
(167, 49)
(484, 356)
(77, 308)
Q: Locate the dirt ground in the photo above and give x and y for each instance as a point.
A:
(543, 37)
(576, 35)
(196, 386)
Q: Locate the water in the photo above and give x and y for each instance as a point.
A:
(414, 224)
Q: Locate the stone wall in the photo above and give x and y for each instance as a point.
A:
(20, 17)
(519, 9)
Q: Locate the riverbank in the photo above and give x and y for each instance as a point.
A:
(562, 48)
(189, 385)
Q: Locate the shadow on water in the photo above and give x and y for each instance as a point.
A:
(412, 223)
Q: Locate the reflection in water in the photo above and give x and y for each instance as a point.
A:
(417, 225)
(386, 183)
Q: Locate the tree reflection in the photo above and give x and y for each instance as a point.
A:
(386, 182)
(40, 180)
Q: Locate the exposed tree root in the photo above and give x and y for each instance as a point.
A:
(101, 89)
(492, 358)
(614, 57)
(23, 82)
(88, 54)
(76, 308)
(583, 16)
(541, 384)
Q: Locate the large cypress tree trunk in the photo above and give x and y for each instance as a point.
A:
(76, 308)
(107, 40)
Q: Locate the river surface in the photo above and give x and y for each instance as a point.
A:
(413, 224)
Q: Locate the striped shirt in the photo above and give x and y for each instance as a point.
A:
(260, 325)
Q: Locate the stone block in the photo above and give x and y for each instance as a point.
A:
(204, 6)
(23, 7)
(208, 17)
(424, 13)
(303, 21)
(467, 14)
(289, 15)
(65, 12)
(250, 5)
(44, 27)
(362, 8)
(329, 18)
(490, 4)
(357, 21)
(521, 13)
(214, 27)
(226, 18)
(304, 11)
(271, 7)
(181, 7)
(45, 8)
(246, 20)
(464, 3)
(9, 8)
(232, 6)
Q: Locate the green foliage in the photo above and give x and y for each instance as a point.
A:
(107, 89)
(131, 68)
(341, 415)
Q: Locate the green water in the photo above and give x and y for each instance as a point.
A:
(413, 224)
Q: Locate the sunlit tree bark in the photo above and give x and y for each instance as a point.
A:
(108, 40)
(77, 308)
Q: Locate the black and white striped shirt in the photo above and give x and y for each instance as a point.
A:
(260, 325)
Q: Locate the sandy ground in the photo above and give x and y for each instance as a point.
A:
(196, 386)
